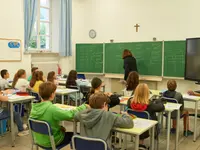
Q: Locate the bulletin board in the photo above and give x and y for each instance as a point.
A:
(10, 50)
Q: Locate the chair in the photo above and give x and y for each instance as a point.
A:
(86, 143)
(2, 125)
(170, 100)
(44, 128)
(84, 90)
(139, 114)
(36, 95)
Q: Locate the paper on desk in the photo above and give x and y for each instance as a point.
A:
(172, 106)
(190, 96)
(141, 123)
(14, 96)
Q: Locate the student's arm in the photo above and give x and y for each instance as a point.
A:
(193, 93)
(123, 121)
(61, 115)
(3, 98)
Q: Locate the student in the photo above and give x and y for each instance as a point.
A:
(19, 81)
(5, 113)
(4, 84)
(52, 77)
(140, 102)
(46, 111)
(36, 80)
(171, 93)
(132, 83)
(98, 122)
(96, 88)
(73, 83)
(32, 71)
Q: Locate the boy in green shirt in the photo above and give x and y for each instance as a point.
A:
(46, 111)
(34, 69)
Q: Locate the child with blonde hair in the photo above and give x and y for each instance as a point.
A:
(140, 102)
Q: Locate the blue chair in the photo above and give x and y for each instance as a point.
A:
(170, 100)
(36, 95)
(139, 114)
(2, 125)
(81, 76)
(86, 143)
(44, 128)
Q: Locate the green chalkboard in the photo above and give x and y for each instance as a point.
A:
(89, 58)
(174, 58)
(148, 56)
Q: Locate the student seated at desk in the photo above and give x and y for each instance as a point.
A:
(131, 84)
(73, 83)
(4, 84)
(32, 71)
(171, 93)
(96, 88)
(51, 77)
(19, 81)
(22, 128)
(36, 80)
(98, 122)
(140, 102)
(47, 111)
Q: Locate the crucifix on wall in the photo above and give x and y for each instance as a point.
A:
(137, 27)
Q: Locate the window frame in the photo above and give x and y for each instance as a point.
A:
(38, 21)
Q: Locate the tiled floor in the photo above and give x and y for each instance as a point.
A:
(24, 143)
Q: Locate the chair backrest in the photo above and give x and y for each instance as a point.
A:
(36, 95)
(139, 114)
(168, 100)
(84, 89)
(41, 127)
(86, 143)
(81, 76)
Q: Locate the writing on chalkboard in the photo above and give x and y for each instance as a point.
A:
(89, 58)
(174, 58)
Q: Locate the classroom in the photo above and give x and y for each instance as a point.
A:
(99, 74)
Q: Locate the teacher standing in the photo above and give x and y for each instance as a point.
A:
(130, 63)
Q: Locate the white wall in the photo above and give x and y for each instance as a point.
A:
(115, 19)
(12, 26)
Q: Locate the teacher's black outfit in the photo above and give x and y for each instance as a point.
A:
(130, 64)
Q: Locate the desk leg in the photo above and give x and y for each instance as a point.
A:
(75, 127)
(137, 142)
(168, 129)
(152, 137)
(12, 126)
(62, 99)
(177, 129)
(195, 122)
(76, 99)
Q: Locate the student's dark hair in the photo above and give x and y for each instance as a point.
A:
(37, 76)
(3, 72)
(96, 82)
(171, 85)
(126, 53)
(132, 81)
(33, 69)
(50, 76)
(97, 100)
(71, 79)
(18, 75)
(46, 89)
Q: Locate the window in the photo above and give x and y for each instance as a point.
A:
(41, 34)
